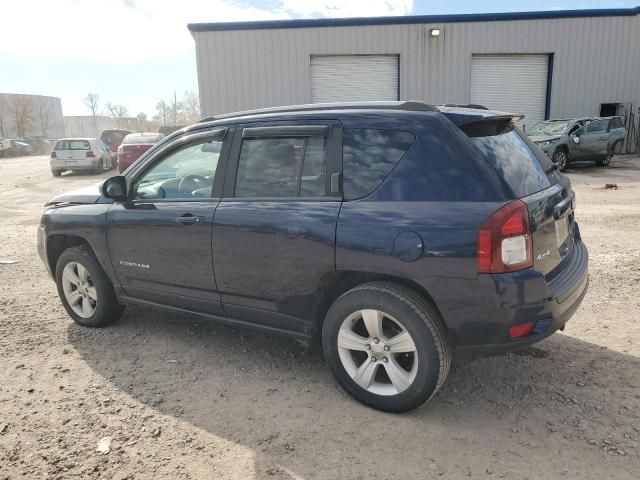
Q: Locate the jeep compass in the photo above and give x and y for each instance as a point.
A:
(397, 234)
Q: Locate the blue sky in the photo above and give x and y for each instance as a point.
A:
(137, 52)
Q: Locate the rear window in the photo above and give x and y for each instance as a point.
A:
(368, 155)
(72, 145)
(110, 136)
(140, 139)
(517, 161)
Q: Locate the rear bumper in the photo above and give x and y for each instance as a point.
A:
(88, 164)
(561, 295)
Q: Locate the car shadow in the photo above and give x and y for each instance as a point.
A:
(278, 399)
(619, 163)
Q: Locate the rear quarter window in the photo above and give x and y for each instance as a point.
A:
(518, 162)
(368, 156)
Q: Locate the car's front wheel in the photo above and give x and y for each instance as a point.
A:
(386, 346)
(560, 158)
(84, 288)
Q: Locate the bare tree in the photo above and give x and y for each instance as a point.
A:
(45, 118)
(191, 106)
(92, 101)
(162, 112)
(24, 114)
(176, 112)
(117, 111)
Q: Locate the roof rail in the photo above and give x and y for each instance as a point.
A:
(475, 106)
(407, 106)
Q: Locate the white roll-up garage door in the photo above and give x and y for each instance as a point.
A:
(352, 78)
(511, 83)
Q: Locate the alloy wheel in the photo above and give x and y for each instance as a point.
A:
(79, 289)
(561, 159)
(377, 352)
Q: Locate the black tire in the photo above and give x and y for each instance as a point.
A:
(420, 319)
(561, 158)
(99, 168)
(56, 173)
(604, 161)
(107, 308)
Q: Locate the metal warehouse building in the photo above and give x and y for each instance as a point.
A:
(24, 115)
(543, 64)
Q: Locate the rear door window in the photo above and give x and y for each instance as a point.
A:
(518, 161)
(282, 167)
(368, 156)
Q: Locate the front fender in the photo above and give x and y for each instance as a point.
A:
(87, 222)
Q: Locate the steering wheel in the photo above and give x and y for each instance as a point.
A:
(191, 182)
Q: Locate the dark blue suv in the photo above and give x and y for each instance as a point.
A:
(399, 233)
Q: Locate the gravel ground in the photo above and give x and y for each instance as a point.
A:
(177, 398)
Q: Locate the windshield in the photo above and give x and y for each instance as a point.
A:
(550, 128)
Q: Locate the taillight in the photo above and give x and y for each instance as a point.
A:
(53, 155)
(120, 151)
(90, 154)
(522, 330)
(504, 240)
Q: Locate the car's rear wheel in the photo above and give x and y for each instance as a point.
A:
(386, 346)
(605, 161)
(560, 158)
(85, 290)
(99, 168)
(56, 173)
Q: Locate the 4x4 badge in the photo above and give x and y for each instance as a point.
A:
(543, 255)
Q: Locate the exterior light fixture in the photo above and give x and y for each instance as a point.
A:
(435, 32)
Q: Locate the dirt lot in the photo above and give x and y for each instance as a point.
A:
(183, 399)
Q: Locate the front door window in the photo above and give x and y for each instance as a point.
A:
(186, 173)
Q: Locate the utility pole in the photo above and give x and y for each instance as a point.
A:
(175, 108)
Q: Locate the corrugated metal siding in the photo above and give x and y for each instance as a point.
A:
(511, 83)
(340, 78)
(597, 60)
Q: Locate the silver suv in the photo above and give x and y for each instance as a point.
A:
(577, 139)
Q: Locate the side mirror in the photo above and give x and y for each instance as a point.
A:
(115, 188)
(576, 139)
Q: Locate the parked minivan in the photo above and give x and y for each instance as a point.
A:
(397, 234)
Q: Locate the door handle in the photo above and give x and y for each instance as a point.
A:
(189, 219)
(602, 138)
